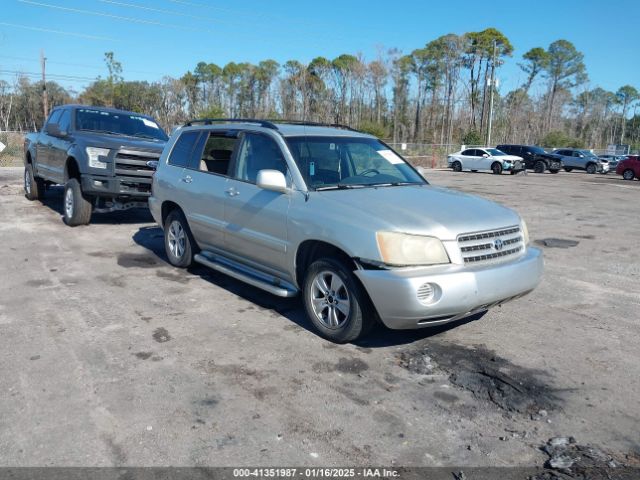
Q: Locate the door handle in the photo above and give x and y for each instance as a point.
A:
(187, 179)
(232, 192)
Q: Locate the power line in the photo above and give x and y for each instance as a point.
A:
(80, 65)
(59, 32)
(50, 75)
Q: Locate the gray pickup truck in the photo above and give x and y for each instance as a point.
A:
(104, 157)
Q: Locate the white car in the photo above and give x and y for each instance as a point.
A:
(490, 159)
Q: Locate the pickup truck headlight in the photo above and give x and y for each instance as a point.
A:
(525, 232)
(94, 155)
(402, 249)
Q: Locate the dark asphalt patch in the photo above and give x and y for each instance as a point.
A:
(129, 260)
(557, 243)
(161, 335)
(486, 375)
(143, 355)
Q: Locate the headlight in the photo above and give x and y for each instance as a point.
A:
(403, 249)
(94, 155)
(525, 232)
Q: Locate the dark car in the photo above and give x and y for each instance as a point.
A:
(629, 168)
(104, 157)
(535, 158)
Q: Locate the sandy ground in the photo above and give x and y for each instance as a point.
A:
(109, 356)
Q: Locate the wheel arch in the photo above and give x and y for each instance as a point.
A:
(71, 169)
(310, 250)
(168, 206)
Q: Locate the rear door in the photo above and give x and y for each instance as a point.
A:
(207, 177)
(43, 149)
(256, 219)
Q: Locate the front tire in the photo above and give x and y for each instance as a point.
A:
(592, 168)
(496, 168)
(178, 241)
(456, 166)
(568, 169)
(628, 174)
(539, 167)
(335, 302)
(33, 186)
(77, 208)
(554, 171)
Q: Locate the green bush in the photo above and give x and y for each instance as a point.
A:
(557, 138)
(472, 137)
(373, 128)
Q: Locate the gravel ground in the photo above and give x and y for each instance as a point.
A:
(112, 357)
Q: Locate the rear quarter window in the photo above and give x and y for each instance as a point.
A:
(181, 153)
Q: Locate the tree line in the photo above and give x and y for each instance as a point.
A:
(437, 94)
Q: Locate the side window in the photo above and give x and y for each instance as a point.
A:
(479, 153)
(181, 152)
(54, 117)
(576, 153)
(258, 152)
(468, 153)
(65, 121)
(214, 152)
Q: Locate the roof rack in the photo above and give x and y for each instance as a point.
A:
(210, 121)
(313, 124)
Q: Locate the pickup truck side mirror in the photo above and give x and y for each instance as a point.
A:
(273, 180)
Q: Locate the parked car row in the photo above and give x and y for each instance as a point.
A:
(515, 158)
(321, 211)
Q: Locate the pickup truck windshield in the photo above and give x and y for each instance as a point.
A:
(349, 162)
(115, 123)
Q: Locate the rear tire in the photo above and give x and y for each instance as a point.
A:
(456, 166)
(76, 207)
(592, 168)
(335, 302)
(33, 186)
(178, 241)
(539, 167)
(496, 168)
(628, 174)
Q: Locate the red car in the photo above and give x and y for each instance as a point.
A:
(629, 168)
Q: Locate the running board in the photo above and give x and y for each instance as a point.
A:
(246, 277)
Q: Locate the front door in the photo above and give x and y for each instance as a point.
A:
(256, 219)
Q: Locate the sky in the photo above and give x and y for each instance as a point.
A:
(154, 38)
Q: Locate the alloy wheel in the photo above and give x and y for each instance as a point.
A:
(177, 239)
(330, 299)
(68, 203)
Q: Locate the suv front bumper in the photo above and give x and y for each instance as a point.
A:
(459, 291)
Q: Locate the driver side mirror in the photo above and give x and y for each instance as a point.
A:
(53, 129)
(484, 155)
(273, 180)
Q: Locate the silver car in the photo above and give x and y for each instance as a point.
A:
(339, 217)
(576, 159)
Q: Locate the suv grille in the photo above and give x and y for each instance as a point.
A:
(492, 246)
(133, 163)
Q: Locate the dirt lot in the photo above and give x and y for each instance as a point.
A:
(109, 356)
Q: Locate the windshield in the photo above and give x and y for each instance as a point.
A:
(349, 162)
(495, 152)
(587, 153)
(118, 124)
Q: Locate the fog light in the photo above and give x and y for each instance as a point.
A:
(428, 293)
(98, 183)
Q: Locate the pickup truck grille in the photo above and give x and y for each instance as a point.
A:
(133, 163)
(492, 246)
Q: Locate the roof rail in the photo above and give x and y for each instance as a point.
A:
(211, 121)
(313, 124)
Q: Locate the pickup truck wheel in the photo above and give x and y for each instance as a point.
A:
(539, 167)
(77, 208)
(628, 174)
(554, 171)
(456, 166)
(336, 303)
(592, 168)
(178, 241)
(33, 186)
(568, 169)
(496, 168)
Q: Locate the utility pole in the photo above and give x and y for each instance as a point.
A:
(493, 83)
(45, 97)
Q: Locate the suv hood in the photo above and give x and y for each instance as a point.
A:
(419, 209)
(116, 142)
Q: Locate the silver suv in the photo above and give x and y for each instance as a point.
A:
(573, 158)
(338, 216)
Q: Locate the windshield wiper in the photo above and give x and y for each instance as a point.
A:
(393, 184)
(341, 186)
(109, 132)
